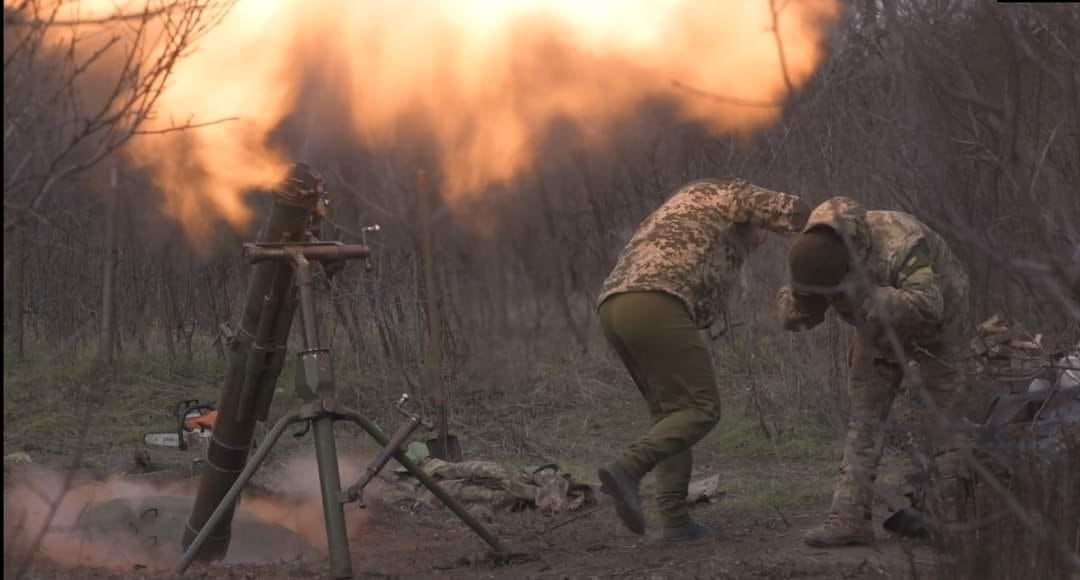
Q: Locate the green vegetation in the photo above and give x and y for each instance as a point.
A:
(576, 410)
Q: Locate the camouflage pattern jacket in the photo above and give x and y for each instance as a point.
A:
(911, 278)
(486, 487)
(686, 247)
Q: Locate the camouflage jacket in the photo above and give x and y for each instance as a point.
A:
(915, 281)
(686, 249)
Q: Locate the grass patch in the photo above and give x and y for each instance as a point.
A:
(794, 465)
(579, 411)
(767, 486)
(46, 403)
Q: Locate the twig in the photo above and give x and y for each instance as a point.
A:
(75, 22)
(774, 13)
(787, 524)
(723, 98)
(570, 520)
(185, 127)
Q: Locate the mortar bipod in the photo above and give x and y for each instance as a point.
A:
(413, 420)
(315, 386)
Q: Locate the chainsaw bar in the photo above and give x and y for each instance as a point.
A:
(194, 424)
(162, 440)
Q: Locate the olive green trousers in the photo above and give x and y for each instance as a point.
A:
(666, 356)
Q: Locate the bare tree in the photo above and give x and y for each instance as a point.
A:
(76, 90)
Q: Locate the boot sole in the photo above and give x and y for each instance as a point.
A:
(630, 515)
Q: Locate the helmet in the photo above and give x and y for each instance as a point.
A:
(818, 260)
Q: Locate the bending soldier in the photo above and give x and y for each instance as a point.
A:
(670, 282)
(880, 270)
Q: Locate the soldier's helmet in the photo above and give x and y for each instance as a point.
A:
(818, 261)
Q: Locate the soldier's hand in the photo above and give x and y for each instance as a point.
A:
(800, 312)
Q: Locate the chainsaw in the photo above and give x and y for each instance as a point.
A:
(194, 425)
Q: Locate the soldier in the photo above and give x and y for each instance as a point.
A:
(879, 270)
(671, 281)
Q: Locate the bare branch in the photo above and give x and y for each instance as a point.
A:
(187, 126)
(774, 13)
(722, 98)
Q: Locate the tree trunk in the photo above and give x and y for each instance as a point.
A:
(215, 312)
(166, 318)
(434, 383)
(356, 341)
(108, 293)
(18, 282)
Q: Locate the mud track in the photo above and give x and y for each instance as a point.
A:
(402, 544)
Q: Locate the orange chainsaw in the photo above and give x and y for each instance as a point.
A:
(194, 425)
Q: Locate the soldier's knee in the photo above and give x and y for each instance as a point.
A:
(713, 419)
(705, 418)
(713, 411)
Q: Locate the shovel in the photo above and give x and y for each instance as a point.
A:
(445, 446)
(908, 523)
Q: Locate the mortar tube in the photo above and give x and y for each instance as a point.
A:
(262, 350)
(228, 448)
(263, 395)
(233, 493)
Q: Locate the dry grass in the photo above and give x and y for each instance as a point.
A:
(1038, 536)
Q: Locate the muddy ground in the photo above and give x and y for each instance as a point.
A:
(398, 542)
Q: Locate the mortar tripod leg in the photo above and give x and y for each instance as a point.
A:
(432, 485)
(234, 491)
(337, 537)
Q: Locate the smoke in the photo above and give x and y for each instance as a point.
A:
(482, 82)
(122, 523)
(297, 479)
(41, 513)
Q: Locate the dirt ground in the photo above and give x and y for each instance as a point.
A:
(775, 490)
(399, 543)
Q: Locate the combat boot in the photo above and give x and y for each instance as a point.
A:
(623, 490)
(836, 531)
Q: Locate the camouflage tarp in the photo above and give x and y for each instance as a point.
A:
(1047, 420)
(1047, 415)
(1005, 350)
(487, 487)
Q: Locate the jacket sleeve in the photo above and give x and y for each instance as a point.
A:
(777, 212)
(914, 305)
(799, 313)
(738, 201)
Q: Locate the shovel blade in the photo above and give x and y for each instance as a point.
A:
(450, 452)
(907, 523)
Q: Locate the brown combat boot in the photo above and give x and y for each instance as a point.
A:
(836, 531)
